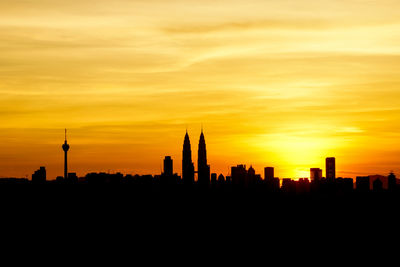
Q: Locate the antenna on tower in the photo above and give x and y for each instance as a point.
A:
(65, 134)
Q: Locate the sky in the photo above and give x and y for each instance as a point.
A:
(283, 83)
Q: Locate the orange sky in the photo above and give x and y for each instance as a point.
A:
(275, 83)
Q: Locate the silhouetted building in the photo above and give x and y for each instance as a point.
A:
(392, 181)
(362, 183)
(251, 171)
(238, 175)
(241, 177)
(202, 167)
(39, 176)
(330, 166)
(221, 179)
(104, 178)
(383, 179)
(72, 177)
(213, 178)
(252, 178)
(167, 178)
(187, 164)
(271, 182)
(269, 173)
(288, 185)
(377, 185)
(65, 147)
(344, 185)
(274, 186)
(303, 186)
(168, 166)
(315, 174)
(348, 184)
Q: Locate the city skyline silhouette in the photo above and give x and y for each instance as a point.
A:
(280, 83)
(202, 170)
(240, 177)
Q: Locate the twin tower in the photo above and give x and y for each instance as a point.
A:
(203, 169)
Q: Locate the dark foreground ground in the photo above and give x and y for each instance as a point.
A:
(217, 208)
(174, 224)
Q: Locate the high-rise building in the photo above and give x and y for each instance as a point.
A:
(202, 167)
(288, 185)
(270, 180)
(65, 147)
(269, 173)
(213, 178)
(168, 178)
(330, 167)
(315, 174)
(221, 179)
(252, 178)
(168, 166)
(238, 175)
(187, 164)
(39, 176)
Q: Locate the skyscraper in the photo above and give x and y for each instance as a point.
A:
(187, 164)
(270, 180)
(269, 173)
(330, 167)
(65, 147)
(239, 174)
(202, 167)
(168, 166)
(315, 174)
(213, 178)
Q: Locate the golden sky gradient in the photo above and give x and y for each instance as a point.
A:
(274, 82)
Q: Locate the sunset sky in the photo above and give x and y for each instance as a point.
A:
(281, 83)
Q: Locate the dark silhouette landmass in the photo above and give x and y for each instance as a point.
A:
(202, 208)
(241, 181)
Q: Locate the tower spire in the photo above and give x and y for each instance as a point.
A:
(202, 167)
(187, 164)
(65, 147)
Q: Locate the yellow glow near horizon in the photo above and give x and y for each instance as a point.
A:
(275, 83)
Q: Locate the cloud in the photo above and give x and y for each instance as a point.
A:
(292, 24)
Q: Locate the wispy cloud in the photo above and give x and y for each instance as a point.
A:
(237, 27)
